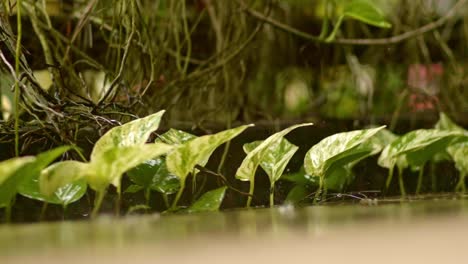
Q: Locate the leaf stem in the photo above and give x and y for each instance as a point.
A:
(461, 183)
(43, 211)
(166, 200)
(8, 212)
(272, 195)
(98, 202)
(147, 196)
(178, 195)
(319, 190)
(389, 178)
(420, 179)
(402, 184)
(251, 192)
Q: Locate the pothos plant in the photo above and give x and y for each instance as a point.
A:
(265, 153)
(117, 151)
(16, 173)
(168, 174)
(165, 164)
(328, 164)
(414, 150)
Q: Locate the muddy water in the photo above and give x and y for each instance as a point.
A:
(428, 231)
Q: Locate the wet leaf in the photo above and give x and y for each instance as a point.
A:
(64, 195)
(61, 174)
(276, 158)
(459, 154)
(416, 147)
(301, 178)
(445, 123)
(134, 188)
(458, 151)
(208, 202)
(338, 179)
(11, 173)
(340, 150)
(246, 171)
(20, 170)
(112, 164)
(153, 174)
(182, 160)
(175, 137)
(132, 133)
(297, 194)
(366, 12)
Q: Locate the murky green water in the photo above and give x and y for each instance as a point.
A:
(436, 227)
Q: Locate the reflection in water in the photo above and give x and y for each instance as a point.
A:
(242, 225)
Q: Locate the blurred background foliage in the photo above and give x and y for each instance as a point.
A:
(88, 65)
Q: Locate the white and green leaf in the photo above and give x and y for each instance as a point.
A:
(246, 171)
(339, 150)
(183, 159)
(275, 160)
(132, 133)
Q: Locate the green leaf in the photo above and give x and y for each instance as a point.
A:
(445, 123)
(338, 179)
(458, 151)
(208, 202)
(416, 147)
(300, 178)
(366, 12)
(246, 171)
(11, 172)
(132, 133)
(339, 150)
(134, 188)
(15, 177)
(153, 174)
(297, 194)
(61, 174)
(276, 157)
(459, 154)
(182, 160)
(109, 166)
(175, 137)
(64, 195)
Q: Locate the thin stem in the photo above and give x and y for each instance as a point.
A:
(272, 195)
(43, 211)
(17, 67)
(420, 179)
(166, 200)
(118, 202)
(251, 191)
(335, 29)
(223, 157)
(319, 190)
(64, 211)
(400, 181)
(324, 30)
(147, 196)
(178, 195)
(461, 183)
(389, 178)
(98, 202)
(8, 212)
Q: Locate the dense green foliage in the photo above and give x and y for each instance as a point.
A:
(328, 164)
